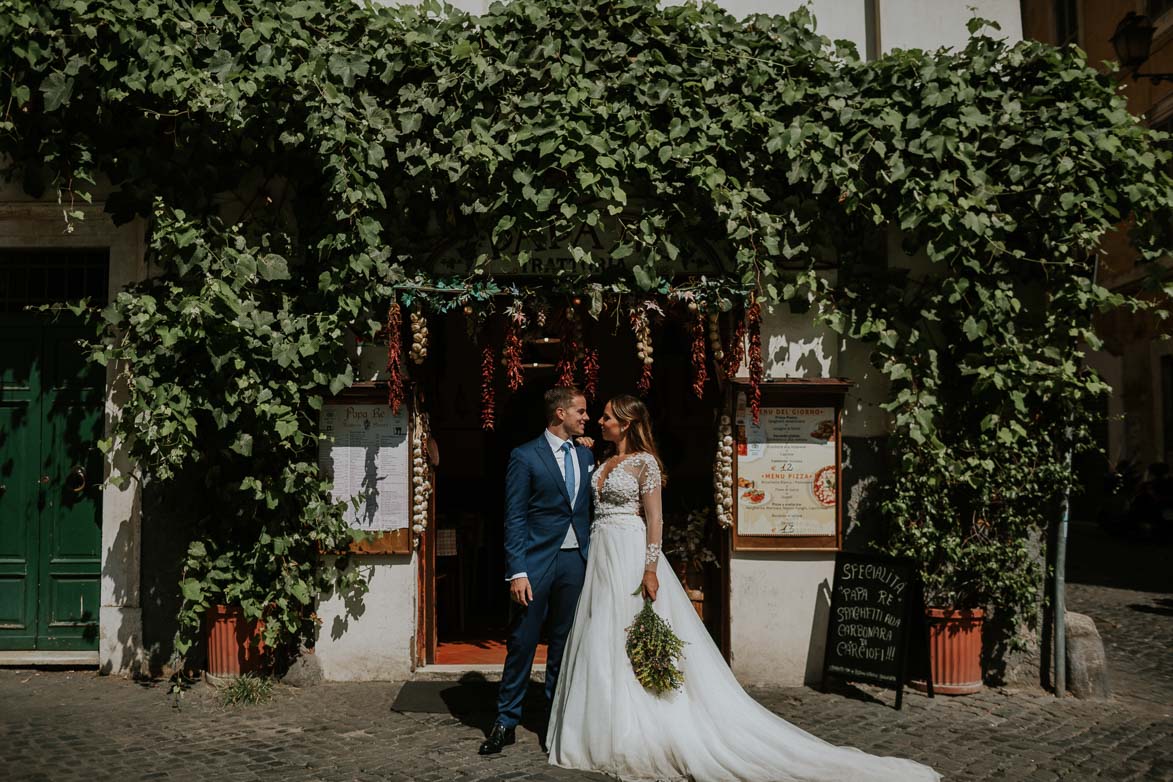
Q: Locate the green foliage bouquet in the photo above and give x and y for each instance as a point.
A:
(654, 650)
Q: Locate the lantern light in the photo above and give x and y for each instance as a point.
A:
(1133, 42)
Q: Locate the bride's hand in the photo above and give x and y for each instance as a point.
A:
(651, 585)
(585, 442)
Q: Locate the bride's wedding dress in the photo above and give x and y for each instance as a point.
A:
(603, 720)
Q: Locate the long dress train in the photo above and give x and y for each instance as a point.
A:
(602, 719)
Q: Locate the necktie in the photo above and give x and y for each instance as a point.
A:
(567, 456)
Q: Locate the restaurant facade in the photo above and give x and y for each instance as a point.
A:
(97, 565)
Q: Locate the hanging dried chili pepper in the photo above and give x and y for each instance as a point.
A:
(513, 371)
(590, 371)
(700, 372)
(566, 362)
(488, 399)
(736, 349)
(756, 372)
(394, 357)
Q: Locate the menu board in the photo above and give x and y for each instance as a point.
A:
(366, 452)
(872, 601)
(787, 478)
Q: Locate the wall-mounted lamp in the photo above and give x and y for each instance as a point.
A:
(1133, 42)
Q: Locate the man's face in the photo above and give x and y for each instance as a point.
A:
(574, 418)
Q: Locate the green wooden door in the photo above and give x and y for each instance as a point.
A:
(51, 416)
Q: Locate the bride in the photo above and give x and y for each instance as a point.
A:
(603, 720)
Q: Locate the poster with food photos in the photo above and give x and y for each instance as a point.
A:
(787, 481)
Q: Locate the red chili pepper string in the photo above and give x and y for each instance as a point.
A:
(700, 371)
(590, 371)
(394, 357)
(513, 370)
(645, 380)
(488, 400)
(736, 352)
(756, 371)
(566, 362)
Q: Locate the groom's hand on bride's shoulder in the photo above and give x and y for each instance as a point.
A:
(521, 592)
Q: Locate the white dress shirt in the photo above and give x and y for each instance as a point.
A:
(555, 442)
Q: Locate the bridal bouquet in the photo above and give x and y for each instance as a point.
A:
(654, 651)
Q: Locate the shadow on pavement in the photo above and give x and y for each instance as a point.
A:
(1098, 559)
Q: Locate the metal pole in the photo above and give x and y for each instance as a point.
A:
(1060, 601)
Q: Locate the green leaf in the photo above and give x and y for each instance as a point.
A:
(57, 89)
(273, 267)
(192, 589)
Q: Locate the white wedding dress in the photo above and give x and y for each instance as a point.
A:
(602, 719)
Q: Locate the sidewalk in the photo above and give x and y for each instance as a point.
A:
(67, 725)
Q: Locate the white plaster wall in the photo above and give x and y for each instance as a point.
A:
(27, 222)
(903, 24)
(779, 605)
(932, 24)
(376, 644)
(795, 345)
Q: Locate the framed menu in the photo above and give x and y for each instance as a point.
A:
(787, 466)
(366, 452)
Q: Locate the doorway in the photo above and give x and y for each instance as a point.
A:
(51, 418)
(471, 599)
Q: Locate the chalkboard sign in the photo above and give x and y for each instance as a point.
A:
(874, 602)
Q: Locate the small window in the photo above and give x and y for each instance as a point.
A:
(32, 277)
(1067, 22)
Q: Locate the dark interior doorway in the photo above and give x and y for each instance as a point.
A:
(471, 598)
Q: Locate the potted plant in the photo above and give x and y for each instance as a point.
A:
(961, 513)
(687, 549)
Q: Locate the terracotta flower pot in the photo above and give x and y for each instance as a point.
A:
(955, 650)
(234, 644)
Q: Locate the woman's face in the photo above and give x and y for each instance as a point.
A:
(613, 431)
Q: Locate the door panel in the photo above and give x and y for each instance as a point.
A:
(20, 439)
(51, 416)
(71, 517)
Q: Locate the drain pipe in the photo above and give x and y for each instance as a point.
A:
(1060, 601)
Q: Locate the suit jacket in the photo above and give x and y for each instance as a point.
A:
(537, 508)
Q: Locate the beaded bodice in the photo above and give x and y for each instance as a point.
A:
(627, 494)
(618, 488)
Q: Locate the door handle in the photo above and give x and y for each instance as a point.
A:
(44, 479)
(76, 480)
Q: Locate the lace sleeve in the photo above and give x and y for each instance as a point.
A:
(649, 488)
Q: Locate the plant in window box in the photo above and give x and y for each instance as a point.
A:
(687, 548)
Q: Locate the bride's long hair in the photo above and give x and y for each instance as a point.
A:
(632, 411)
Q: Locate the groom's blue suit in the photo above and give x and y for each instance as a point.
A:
(538, 513)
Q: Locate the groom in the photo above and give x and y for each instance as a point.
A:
(547, 530)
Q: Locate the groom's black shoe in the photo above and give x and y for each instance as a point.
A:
(499, 738)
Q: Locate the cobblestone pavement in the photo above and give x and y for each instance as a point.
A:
(65, 725)
(71, 725)
(1127, 588)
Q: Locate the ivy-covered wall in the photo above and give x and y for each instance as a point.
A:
(363, 144)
